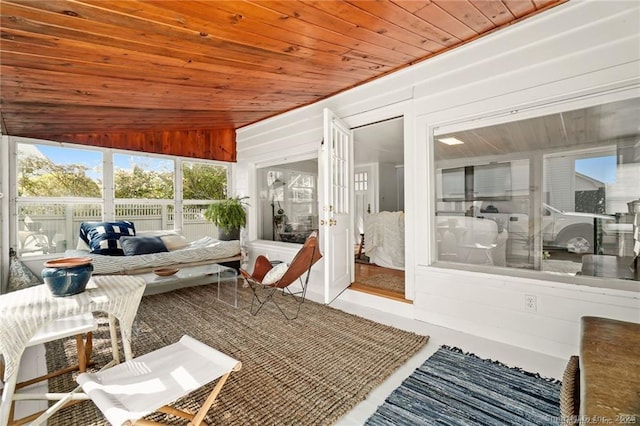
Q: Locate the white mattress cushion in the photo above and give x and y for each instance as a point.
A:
(204, 249)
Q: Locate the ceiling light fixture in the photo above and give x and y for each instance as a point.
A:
(451, 141)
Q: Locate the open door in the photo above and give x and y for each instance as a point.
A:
(336, 205)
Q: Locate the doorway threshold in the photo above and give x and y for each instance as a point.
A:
(379, 292)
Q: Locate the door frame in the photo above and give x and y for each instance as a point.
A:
(405, 109)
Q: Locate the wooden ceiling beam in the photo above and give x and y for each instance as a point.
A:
(217, 145)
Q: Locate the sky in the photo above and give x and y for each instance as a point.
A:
(93, 159)
(600, 168)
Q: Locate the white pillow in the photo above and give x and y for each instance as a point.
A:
(82, 245)
(174, 242)
(158, 233)
(275, 273)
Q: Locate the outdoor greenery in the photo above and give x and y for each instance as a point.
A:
(40, 177)
(228, 214)
(204, 182)
(143, 184)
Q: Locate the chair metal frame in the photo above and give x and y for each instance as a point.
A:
(306, 257)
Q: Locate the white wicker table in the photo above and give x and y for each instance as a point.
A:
(24, 312)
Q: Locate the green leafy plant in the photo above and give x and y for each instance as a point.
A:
(228, 214)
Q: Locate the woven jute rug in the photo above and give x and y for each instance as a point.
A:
(309, 371)
(384, 282)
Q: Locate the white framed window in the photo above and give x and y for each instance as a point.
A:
(59, 186)
(547, 193)
(202, 183)
(288, 200)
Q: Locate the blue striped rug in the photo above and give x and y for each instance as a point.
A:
(454, 388)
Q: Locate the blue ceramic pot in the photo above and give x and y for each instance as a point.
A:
(67, 281)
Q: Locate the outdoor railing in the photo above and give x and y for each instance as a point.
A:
(54, 228)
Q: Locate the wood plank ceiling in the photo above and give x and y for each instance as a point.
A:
(179, 77)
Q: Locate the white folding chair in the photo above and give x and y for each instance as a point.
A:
(78, 326)
(131, 390)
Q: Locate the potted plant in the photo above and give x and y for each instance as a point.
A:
(229, 215)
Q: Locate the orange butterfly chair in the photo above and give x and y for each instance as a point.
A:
(267, 279)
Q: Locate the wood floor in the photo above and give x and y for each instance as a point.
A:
(364, 270)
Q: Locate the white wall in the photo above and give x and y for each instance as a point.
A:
(573, 51)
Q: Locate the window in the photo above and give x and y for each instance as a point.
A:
(59, 187)
(202, 183)
(144, 191)
(549, 193)
(138, 177)
(361, 181)
(288, 201)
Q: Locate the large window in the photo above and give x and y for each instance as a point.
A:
(57, 189)
(61, 186)
(202, 183)
(549, 193)
(288, 201)
(144, 191)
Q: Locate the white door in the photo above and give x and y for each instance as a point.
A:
(336, 205)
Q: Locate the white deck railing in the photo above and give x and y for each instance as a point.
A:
(54, 228)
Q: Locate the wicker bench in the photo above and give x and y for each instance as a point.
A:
(609, 371)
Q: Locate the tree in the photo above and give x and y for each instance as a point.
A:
(142, 183)
(39, 177)
(204, 182)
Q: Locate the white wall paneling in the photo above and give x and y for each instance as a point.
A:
(494, 307)
(563, 57)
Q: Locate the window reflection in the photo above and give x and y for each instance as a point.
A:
(288, 201)
(550, 193)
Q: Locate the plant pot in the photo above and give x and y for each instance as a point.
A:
(67, 276)
(233, 234)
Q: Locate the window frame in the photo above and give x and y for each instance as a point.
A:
(258, 169)
(435, 129)
(108, 200)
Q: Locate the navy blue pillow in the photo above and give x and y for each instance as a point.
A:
(103, 237)
(133, 246)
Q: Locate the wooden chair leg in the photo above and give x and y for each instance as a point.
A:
(83, 347)
(88, 347)
(82, 355)
(210, 399)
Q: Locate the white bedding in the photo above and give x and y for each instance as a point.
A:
(384, 239)
(206, 249)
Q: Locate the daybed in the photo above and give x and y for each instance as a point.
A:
(174, 251)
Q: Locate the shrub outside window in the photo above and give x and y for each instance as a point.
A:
(202, 183)
(57, 189)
